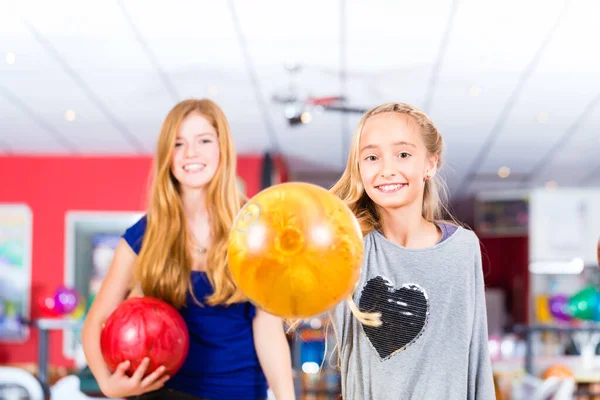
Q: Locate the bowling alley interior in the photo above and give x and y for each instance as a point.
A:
(90, 145)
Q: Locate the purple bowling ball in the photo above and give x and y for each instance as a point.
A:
(559, 306)
(65, 300)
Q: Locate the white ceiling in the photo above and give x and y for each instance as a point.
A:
(122, 65)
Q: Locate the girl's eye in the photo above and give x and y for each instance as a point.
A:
(404, 155)
(371, 158)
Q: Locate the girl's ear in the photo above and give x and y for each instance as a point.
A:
(431, 166)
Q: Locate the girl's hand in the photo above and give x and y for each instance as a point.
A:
(119, 385)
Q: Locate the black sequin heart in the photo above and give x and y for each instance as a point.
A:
(404, 314)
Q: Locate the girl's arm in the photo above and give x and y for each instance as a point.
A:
(274, 354)
(481, 380)
(113, 290)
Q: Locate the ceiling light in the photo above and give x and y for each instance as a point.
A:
(289, 111)
(474, 91)
(70, 115)
(305, 117)
(575, 266)
(291, 65)
(11, 58)
(542, 117)
(551, 185)
(504, 172)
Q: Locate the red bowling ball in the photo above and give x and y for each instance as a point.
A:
(145, 327)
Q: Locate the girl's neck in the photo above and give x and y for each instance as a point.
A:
(406, 227)
(194, 204)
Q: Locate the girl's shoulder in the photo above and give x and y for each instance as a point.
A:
(455, 238)
(453, 227)
(462, 232)
(463, 241)
(135, 233)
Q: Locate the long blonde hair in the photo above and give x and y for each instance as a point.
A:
(351, 190)
(164, 265)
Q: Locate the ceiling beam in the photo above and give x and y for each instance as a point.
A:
(437, 66)
(162, 75)
(562, 142)
(253, 76)
(496, 130)
(345, 128)
(57, 135)
(85, 88)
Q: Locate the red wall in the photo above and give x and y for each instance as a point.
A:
(506, 266)
(51, 186)
(505, 262)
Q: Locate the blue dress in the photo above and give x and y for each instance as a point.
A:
(222, 362)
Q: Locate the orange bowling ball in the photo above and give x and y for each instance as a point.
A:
(558, 371)
(295, 250)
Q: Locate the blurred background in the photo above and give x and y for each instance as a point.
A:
(512, 86)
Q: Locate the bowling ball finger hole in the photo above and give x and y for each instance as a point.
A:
(248, 217)
(290, 240)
